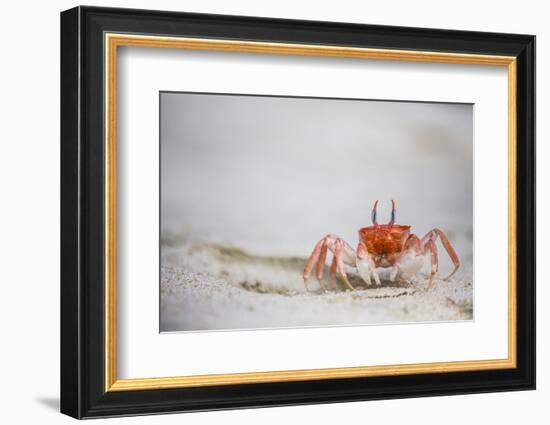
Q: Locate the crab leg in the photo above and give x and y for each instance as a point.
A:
(342, 253)
(340, 263)
(407, 264)
(321, 265)
(332, 273)
(312, 260)
(430, 246)
(432, 235)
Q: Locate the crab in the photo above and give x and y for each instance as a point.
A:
(389, 245)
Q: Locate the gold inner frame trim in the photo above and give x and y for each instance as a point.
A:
(113, 41)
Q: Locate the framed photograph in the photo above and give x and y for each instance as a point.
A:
(260, 212)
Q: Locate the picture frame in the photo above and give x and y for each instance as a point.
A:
(90, 40)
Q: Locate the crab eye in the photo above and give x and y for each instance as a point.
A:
(393, 212)
(373, 215)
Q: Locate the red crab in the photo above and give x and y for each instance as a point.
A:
(380, 245)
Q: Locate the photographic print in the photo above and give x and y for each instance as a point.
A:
(281, 182)
(282, 212)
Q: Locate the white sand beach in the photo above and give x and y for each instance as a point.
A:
(210, 287)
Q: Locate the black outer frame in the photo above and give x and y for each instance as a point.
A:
(82, 218)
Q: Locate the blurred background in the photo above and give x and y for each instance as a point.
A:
(272, 175)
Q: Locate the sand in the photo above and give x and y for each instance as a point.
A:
(205, 286)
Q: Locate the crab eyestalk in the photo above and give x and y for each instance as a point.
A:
(393, 213)
(373, 214)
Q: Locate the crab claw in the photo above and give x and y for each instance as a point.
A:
(365, 265)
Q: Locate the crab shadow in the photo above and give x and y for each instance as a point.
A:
(357, 282)
(386, 289)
